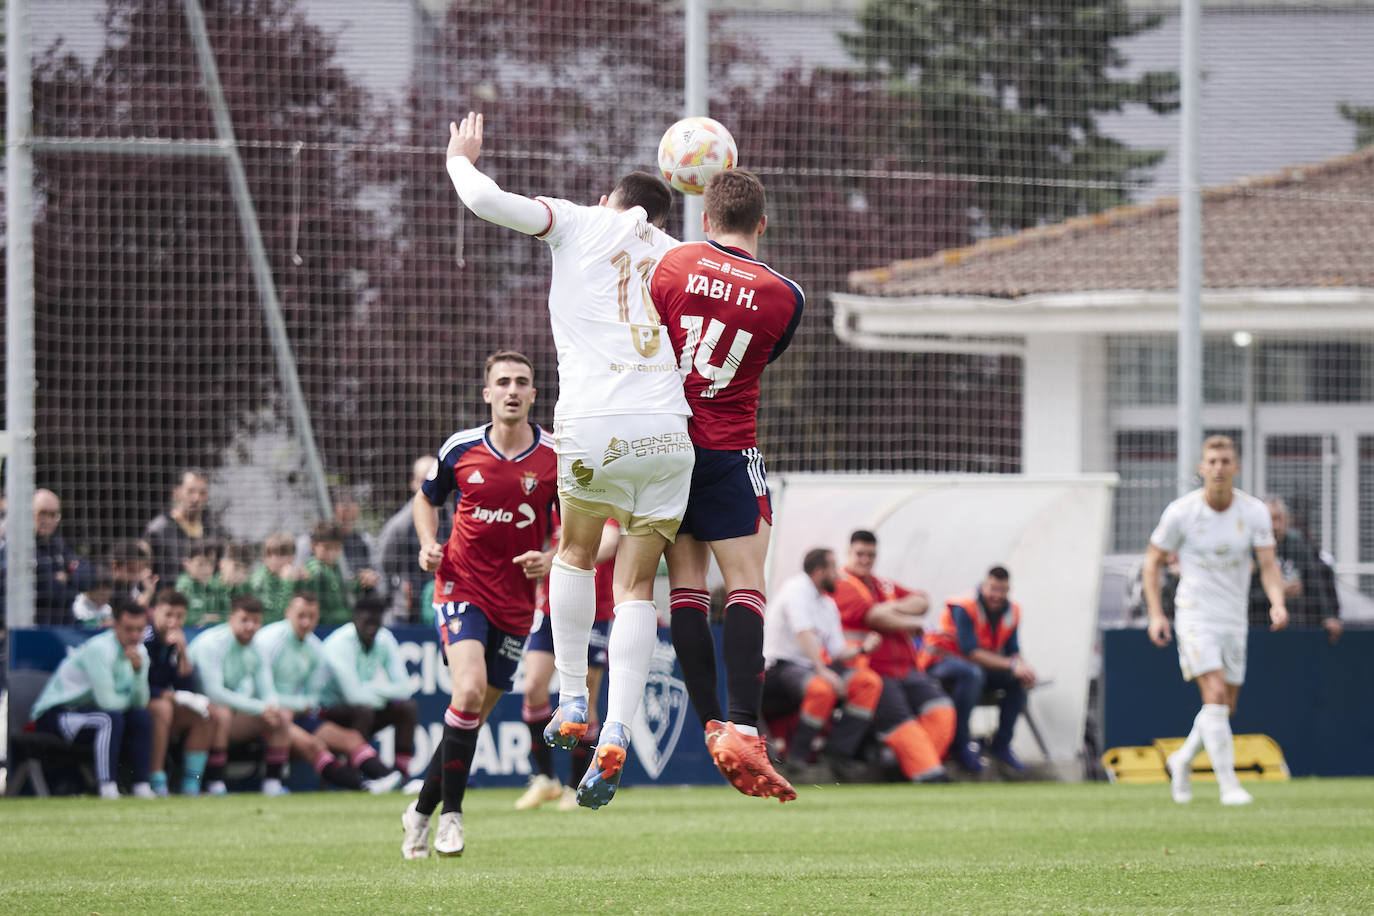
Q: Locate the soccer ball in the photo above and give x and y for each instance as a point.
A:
(693, 150)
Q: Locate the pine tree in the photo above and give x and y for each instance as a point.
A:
(1009, 93)
(1363, 119)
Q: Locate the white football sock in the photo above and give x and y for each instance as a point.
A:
(1193, 743)
(1215, 725)
(572, 611)
(634, 636)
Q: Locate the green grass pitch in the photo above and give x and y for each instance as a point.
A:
(1304, 847)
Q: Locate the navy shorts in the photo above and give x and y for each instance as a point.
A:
(729, 495)
(308, 721)
(456, 621)
(541, 640)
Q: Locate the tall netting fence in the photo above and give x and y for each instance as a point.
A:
(907, 149)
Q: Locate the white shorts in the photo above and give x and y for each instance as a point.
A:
(1202, 649)
(634, 468)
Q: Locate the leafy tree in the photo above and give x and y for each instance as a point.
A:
(150, 341)
(1009, 92)
(1363, 119)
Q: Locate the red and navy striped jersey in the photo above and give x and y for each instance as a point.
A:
(505, 508)
(728, 316)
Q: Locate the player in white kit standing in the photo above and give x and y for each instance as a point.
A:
(1213, 529)
(620, 430)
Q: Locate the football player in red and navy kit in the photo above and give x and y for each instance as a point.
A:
(505, 475)
(728, 315)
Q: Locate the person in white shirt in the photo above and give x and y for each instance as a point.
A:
(620, 429)
(804, 650)
(1213, 529)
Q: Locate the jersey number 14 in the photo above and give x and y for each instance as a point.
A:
(699, 348)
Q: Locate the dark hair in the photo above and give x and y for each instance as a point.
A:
(124, 606)
(127, 551)
(205, 547)
(815, 559)
(246, 602)
(734, 201)
(306, 595)
(169, 595)
(192, 472)
(241, 552)
(326, 533)
(863, 536)
(640, 189)
(102, 578)
(999, 573)
(369, 604)
(506, 356)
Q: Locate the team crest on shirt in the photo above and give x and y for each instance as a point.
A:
(529, 482)
(658, 721)
(646, 339)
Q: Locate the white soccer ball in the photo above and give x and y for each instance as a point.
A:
(693, 150)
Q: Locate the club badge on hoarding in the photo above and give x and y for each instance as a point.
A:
(658, 721)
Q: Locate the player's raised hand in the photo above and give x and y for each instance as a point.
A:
(1278, 617)
(534, 563)
(1160, 631)
(465, 139)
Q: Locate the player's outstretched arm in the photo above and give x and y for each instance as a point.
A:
(479, 193)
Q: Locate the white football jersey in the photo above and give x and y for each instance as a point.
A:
(614, 357)
(796, 608)
(1213, 555)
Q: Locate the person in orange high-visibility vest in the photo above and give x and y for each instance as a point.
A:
(913, 717)
(975, 648)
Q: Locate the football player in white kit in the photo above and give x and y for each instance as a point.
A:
(1213, 529)
(620, 429)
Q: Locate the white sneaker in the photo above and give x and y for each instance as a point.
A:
(383, 784)
(109, 791)
(569, 800)
(449, 840)
(541, 789)
(414, 786)
(415, 844)
(143, 790)
(1235, 795)
(216, 788)
(274, 787)
(1180, 778)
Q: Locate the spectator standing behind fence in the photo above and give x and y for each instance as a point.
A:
(323, 578)
(207, 599)
(357, 547)
(91, 607)
(804, 649)
(976, 647)
(131, 565)
(369, 687)
(397, 547)
(914, 716)
(97, 698)
(275, 580)
(171, 534)
(175, 705)
(1308, 582)
(59, 574)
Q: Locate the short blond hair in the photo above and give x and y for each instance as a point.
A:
(1212, 443)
